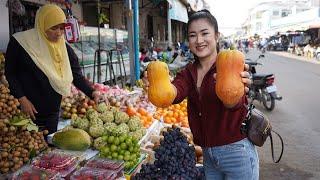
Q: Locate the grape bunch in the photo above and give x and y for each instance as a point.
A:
(175, 159)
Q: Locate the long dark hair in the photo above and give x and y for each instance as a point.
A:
(205, 14)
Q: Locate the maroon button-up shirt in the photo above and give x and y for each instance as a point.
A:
(211, 123)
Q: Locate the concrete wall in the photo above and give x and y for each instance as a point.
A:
(117, 15)
(159, 28)
(4, 30)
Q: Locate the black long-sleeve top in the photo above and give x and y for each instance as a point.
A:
(26, 79)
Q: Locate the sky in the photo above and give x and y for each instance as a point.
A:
(231, 14)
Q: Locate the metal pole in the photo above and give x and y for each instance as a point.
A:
(130, 42)
(136, 38)
(99, 44)
(169, 26)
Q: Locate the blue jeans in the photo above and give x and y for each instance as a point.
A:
(235, 161)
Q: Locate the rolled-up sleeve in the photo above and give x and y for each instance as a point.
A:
(182, 84)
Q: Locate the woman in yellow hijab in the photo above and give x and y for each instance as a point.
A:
(40, 68)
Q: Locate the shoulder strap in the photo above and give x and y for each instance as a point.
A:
(272, 150)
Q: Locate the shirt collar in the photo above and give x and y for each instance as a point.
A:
(193, 69)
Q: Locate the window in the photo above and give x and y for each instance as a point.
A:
(285, 12)
(275, 13)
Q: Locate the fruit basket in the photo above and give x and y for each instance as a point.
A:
(55, 161)
(29, 173)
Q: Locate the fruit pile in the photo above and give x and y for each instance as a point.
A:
(145, 117)
(76, 105)
(175, 159)
(2, 77)
(2, 59)
(17, 144)
(108, 120)
(8, 104)
(174, 114)
(123, 147)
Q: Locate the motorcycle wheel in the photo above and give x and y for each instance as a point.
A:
(268, 101)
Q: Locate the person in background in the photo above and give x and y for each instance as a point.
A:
(228, 154)
(143, 55)
(167, 55)
(40, 68)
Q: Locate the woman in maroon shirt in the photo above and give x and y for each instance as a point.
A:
(228, 154)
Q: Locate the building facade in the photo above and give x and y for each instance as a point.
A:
(262, 17)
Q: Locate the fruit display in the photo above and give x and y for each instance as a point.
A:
(18, 144)
(108, 121)
(2, 77)
(174, 114)
(155, 139)
(161, 92)
(123, 147)
(174, 159)
(32, 173)
(72, 139)
(145, 117)
(229, 85)
(8, 104)
(2, 61)
(76, 105)
(59, 162)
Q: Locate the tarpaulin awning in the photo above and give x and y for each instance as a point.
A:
(178, 11)
(298, 27)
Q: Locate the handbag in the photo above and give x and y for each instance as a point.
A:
(257, 127)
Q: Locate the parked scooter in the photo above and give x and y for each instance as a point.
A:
(262, 87)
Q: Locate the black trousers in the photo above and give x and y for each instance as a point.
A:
(48, 121)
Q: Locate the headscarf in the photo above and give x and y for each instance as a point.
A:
(50, 57)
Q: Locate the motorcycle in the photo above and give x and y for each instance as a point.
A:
(262, 87)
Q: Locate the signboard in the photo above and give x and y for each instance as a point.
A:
(178, 11)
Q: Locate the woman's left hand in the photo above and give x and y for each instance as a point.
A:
(245, 75)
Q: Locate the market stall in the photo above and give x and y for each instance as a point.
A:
(125, 136)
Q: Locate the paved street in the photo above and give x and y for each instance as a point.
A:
(296, 117)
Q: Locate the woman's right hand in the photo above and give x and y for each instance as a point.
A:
(145, 80)
(27, 107)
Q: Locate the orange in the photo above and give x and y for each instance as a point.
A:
(167, 120)
(142, 111)
(170, 113)
(175, 114)
(131, 111)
